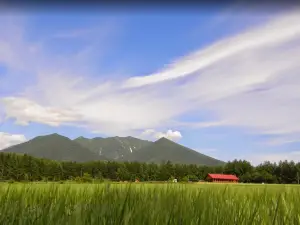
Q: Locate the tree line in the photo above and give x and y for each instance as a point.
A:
(16, 167)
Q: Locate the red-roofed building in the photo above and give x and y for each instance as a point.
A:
(221, 178)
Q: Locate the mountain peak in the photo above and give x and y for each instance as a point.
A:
(164, 139)
(49, 135)
(81, 137)
(54, 135)
(96, 138)
(165, 149)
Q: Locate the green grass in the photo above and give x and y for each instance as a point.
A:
(143, 204)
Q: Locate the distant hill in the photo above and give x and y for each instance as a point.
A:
(164, 149)
(115, 148)
(55, 147)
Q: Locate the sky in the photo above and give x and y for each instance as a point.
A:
(223, 80)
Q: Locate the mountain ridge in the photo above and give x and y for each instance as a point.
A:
(81, 149)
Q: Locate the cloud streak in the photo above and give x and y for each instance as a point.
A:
(264, 36)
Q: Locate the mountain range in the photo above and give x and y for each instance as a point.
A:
(58, 147)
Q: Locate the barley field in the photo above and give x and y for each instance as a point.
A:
(148, 204)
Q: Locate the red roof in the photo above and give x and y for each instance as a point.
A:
(223, 176)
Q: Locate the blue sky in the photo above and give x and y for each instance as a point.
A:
(223, 80)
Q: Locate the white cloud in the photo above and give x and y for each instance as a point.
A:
(7, 140)
(26, 111)
(223, 79)
(152, 134)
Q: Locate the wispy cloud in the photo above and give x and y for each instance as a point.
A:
(79, 33)
(282, 140)
(91, 33)
(197, 125)
(274, 157)
(249, 80)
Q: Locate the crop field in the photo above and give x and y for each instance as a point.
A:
(148, 204)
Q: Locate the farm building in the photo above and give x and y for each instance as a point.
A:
(222, 178)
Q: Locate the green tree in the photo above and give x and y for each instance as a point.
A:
(123, 173)
(238, 167)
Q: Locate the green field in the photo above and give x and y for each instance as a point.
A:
(142, 204)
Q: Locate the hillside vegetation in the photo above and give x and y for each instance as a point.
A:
(116, 148)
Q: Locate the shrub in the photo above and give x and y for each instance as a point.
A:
(185, 179)
(193, 178)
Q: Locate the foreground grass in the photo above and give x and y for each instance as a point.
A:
(143, 204)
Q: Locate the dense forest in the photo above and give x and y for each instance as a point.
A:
(14, 167)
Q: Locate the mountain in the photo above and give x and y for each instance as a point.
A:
(115, 148)
(164, 150)
(55, 147)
